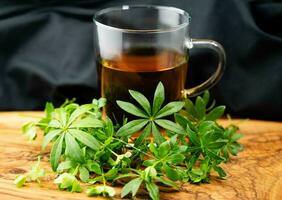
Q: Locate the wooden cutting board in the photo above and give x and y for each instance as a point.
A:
(255, 174)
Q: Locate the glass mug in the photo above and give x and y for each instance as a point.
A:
(138, 46)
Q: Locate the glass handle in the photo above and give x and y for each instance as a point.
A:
(205, 43)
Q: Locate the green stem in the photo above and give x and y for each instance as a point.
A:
(112, 152)
(104, 181)
(76, 170)
(41, 124)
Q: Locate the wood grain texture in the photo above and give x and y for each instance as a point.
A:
(255, 174)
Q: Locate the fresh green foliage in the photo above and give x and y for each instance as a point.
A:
(201, 110)
(170, 152)
(132, 186)
(232, 147)
(20, 180)
(67, 128)
(35, 174)
(101, 190)
(68, 182)
(29, 130)
(150, 116)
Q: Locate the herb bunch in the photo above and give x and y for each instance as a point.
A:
(89, 147)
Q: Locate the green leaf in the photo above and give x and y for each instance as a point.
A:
(69, 182)
(132, 127)
(87, 122)
(156, 134)
(56, 152)
(220, 171)
(70, 107)
(196, 175)
(150, 173)
(83, 174)
(54, 123)
(191, 162)
(176, 159)
(64, 180)
(206, 97)
(236, 137)
(215, 145)
(182, 148)
(190, 108)
(29, 130)
(164, 149)
(215, 113)
(75, 169)
(101, 190)
(102, 102)
(85, 138)
(36, 172)
(132, 186)
(69, 103)
(170, 108)
(50, 136)
(213, 136)
(131, 109)
(200, 107)
(192, 136)
(94, 167)
(49, 108)
(136, 186)
(171, 173)
(109, 127)
(146, 132)
(153, 190)
(75, 187)
(20, 180)
(171, 126)
(194, 149)
(159, 97)
(206, 127)
(167, 182)
(79, 111)
(73, 149)
(64, 165)
(148, 163)
(93, 192)
(181, 120)
(111, 174)
(205, 165)
(173, 140)
(153, 149)
(234, 148)
(61, 116)
(142, 100)
(213, 155)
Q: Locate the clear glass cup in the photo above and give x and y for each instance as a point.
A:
(138, 46)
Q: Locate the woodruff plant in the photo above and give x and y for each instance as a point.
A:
(88, 147)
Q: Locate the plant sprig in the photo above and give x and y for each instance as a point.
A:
(151, 117)
(91, 148)
(36, 173)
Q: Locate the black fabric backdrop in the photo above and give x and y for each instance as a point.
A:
(46, 52)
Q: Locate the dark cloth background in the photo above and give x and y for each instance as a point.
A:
(46, 52)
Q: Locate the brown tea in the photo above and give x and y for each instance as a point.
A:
(141, 69)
